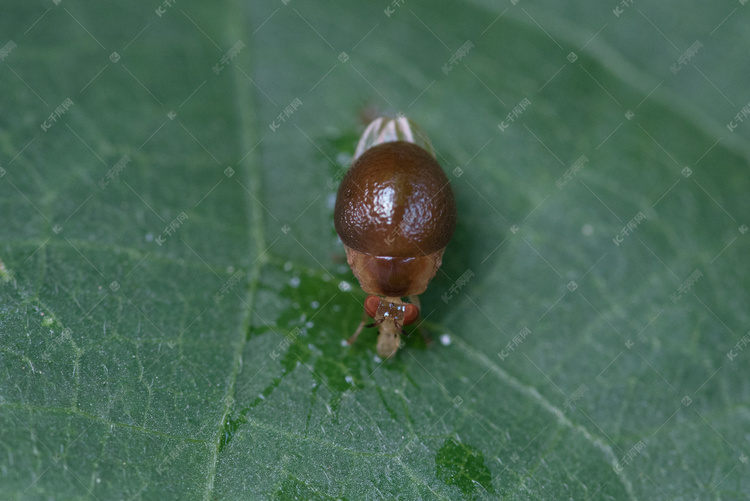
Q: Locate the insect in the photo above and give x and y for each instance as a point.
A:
(395, 213)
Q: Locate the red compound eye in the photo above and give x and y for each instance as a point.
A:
(411, 313)
(371, 305)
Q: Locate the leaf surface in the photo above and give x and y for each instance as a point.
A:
(173, 297)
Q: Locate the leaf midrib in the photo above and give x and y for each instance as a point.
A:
(237, 30)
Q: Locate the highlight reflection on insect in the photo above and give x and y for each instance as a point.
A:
(395, 213)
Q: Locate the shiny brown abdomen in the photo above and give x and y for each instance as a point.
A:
(395, 201)
(395, 213)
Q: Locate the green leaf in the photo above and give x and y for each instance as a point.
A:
(173, 297)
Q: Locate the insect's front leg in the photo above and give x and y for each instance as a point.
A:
(352, 339)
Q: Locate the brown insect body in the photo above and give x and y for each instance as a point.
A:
(395, 213)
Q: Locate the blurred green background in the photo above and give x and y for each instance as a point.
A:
(173, 297)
